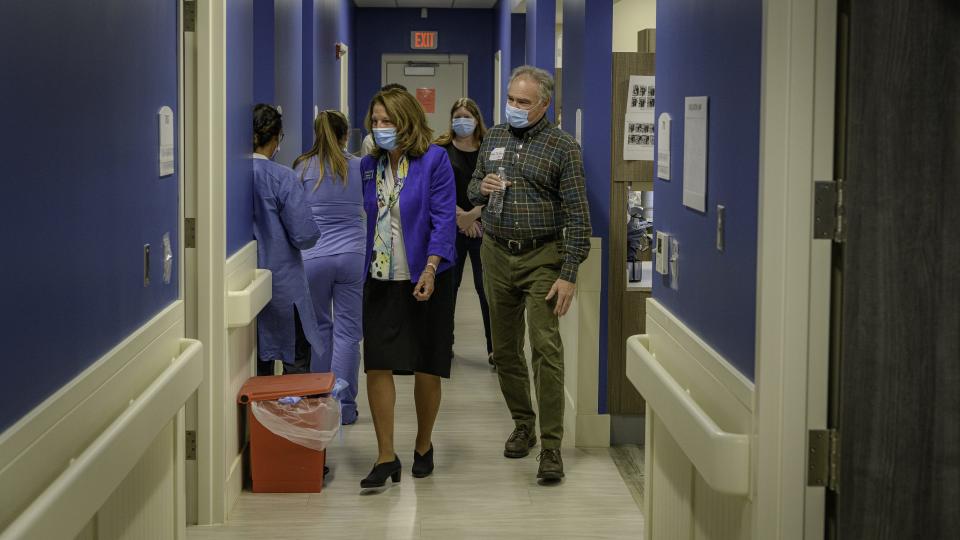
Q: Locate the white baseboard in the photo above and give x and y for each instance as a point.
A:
(234, 482)
(593, 430)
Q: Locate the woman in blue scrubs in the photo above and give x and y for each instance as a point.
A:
(282, 225)
(334, 191)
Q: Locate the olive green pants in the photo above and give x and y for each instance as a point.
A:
(516, 284)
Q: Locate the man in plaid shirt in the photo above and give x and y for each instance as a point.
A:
(531, 252)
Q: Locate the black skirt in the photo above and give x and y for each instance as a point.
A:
(403, 335)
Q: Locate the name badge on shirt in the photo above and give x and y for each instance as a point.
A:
(368, 175)
(497, 154)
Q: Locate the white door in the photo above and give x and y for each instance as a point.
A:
(437, 81)
(345, 80)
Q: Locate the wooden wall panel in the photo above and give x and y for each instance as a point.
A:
(625, 308)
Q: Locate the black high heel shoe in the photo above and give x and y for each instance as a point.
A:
(423, 465)
(381, 471)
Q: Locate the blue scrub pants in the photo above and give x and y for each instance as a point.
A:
(336, 285)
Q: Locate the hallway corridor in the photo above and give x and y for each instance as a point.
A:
(474, 493)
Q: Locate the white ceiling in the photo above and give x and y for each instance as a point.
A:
(464, 4)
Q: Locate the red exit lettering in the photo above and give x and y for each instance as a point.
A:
(423, 40)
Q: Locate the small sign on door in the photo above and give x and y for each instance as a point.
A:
(428, 99)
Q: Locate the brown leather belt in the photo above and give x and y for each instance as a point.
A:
(517, 247)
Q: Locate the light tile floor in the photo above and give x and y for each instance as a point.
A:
(474, 493)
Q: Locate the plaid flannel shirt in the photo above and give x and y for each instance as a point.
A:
(548, 195)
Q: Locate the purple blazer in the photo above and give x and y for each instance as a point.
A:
(428, 203)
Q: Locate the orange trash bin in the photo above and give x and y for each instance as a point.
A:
(276, 464)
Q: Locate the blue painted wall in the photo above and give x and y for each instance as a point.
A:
(713, 48)
(462, 31)
(503, 40)
(586, 80)
(541, 33)
(541, 37)
(333, 21)
(82, 192)
(289, 75)
(263, 51)
(326, 68)
(346, 34)
(241, 61)
(518, 40)
(302, 69)
(308, 58)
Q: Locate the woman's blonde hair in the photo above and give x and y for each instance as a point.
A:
(471, 107)
(329, 129)
(413, 133)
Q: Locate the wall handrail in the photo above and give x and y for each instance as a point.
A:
(721, 458)
(69, 502)
(244, 305)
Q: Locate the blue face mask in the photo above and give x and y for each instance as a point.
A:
(386, 138)
(517, 118)
(464, 127)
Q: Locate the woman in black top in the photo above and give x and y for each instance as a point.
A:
(462, 142)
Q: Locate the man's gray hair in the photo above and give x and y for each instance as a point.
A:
(543, 79)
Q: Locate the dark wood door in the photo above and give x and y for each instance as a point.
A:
(896, 394)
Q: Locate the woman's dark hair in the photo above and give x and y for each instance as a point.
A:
(267, 124)
(329, 128)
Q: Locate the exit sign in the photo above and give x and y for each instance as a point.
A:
(423, 40)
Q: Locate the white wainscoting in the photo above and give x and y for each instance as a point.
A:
(102, 457)
(699, 417)
(580, 330)
(242, 274)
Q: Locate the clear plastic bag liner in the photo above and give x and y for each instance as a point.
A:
(313, 422)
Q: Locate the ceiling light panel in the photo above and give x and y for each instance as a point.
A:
(375, 3)
(425, 3)
(474, 4)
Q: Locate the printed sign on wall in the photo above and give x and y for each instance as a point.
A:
(638, 124)
(428, 99)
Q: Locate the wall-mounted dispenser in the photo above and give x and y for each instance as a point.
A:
(663, 253)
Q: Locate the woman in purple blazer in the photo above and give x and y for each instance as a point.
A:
(409, 195)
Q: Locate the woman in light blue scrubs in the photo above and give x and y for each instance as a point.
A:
(334, 191)
(282, 225)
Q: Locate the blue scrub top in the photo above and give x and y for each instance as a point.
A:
(337, 208)
(282, 226)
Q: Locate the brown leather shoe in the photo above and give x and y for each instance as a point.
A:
(551, 465)
(519, 443)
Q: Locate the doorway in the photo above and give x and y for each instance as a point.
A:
(436, 80)
(188, 145)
